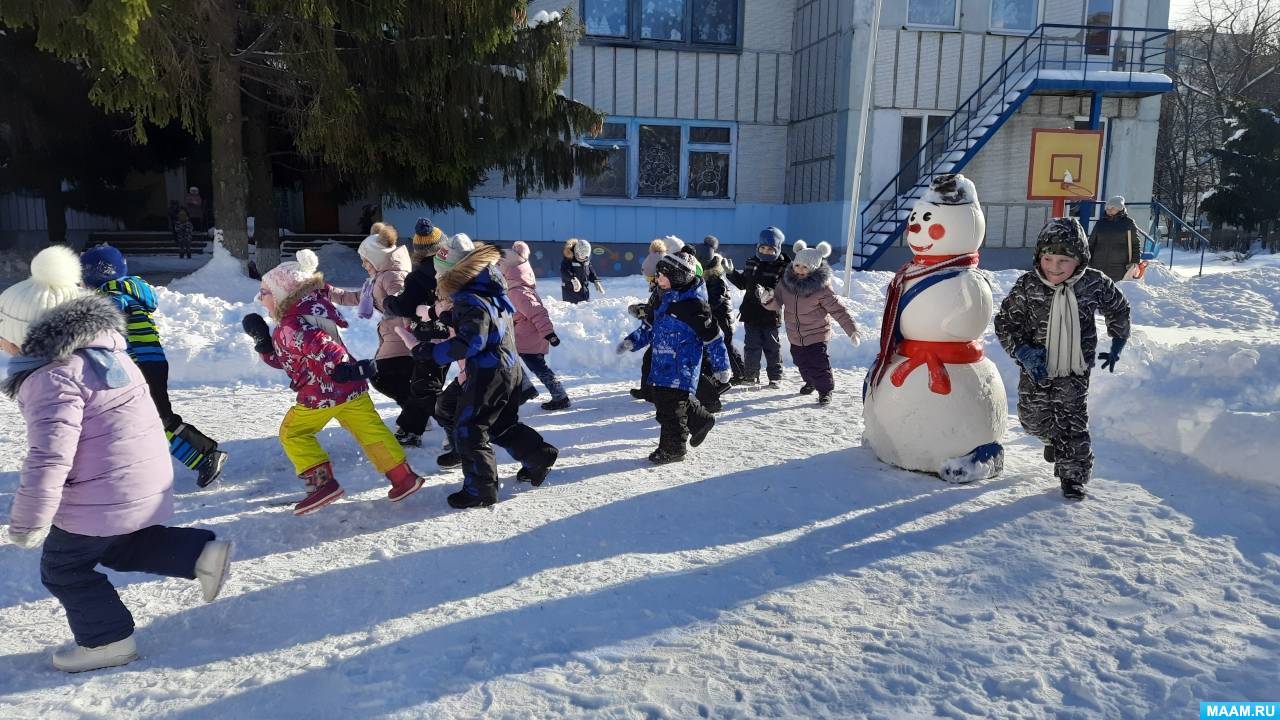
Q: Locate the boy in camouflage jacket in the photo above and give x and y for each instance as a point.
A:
(1046, 324)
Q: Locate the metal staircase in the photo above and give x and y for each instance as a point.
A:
(1052, 60)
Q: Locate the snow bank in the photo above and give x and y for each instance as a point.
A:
(1200, 378)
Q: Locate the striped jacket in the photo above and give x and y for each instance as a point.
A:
(137, 300)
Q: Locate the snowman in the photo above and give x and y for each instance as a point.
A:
(932, 401)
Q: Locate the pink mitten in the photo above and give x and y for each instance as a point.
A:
(424, 311)
(409, 340)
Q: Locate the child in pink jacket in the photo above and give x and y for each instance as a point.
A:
(97, 482)
(388, 263)
(808, 304)
(535, 335)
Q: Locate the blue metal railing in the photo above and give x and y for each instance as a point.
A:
(1127, 50)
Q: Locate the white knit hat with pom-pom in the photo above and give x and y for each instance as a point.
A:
(810, 257)
(287, 277)
(55, 279)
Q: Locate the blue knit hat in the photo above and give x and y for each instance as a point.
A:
(771, 237)
(101, 264)
(423, 227)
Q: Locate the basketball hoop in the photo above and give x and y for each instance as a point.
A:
(1069, 184)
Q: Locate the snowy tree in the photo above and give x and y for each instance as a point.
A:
(418, 98)
(1247, 194)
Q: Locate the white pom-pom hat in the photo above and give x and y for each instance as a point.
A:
(55, 279)
(284, 279)
(810, 257)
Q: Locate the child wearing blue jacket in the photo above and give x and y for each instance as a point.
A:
(106, 271)
(682, 330)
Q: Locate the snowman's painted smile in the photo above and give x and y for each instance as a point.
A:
(920, 249)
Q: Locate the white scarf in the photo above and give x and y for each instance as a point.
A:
(1062, 350)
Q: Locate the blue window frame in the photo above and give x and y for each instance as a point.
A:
(701, 24)
(652, 158)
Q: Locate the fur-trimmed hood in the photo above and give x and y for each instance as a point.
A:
(568, 248)
(87, 321)
(287, 303)
(71, 326)
(813, 282)
(482, 259)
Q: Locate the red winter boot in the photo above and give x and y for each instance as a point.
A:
(404, 482)
(322, 489)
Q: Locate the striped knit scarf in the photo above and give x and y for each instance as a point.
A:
(918, 268)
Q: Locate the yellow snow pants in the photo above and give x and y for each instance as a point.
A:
(358, 416)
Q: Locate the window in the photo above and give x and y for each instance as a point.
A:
(915, 130)
(933, 13)
(1098, 13)
(664, 159)
(1020, 16)
(613, 181)
(664, 22)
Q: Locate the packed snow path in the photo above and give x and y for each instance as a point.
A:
(782, 571)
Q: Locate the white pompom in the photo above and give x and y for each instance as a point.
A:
(824, 249)
(800, 245)
(57, 266)
(308, 261)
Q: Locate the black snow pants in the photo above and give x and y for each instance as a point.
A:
(1057, 412)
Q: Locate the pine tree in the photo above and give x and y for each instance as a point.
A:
(1250, 159)
(55, 143)
(417, 98)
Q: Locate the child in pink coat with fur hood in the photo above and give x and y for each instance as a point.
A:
(808, 305)
(535, 335)
(97, 482)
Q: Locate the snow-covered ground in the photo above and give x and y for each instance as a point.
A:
(780, 572)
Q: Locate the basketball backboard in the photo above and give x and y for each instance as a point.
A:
(1064, 164)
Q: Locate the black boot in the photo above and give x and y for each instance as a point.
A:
(211, 468)
(806, 389)
(556, 403)
(662, 457)
(408, 439)
(698, 434)
(1073, 490)
(824, 398)
(463, 499)
(449, 460)
(536, 468)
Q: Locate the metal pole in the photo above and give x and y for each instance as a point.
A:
(864, 116)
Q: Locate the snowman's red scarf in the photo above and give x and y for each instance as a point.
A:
(936, 356)
(919, 267)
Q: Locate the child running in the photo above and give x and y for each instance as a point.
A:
(681, 330)
(535, 335)
(761, 334)
(331, 385)
(1046, 323)
(105, 269)
(97, 482)
(808, 303)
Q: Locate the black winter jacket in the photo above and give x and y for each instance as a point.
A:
(1114, 245)
(571, 268)
(759, 274)
(714, 273)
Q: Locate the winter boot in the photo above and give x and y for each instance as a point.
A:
(75, 658)
(774, 384)
(322, 489)
(408, 439)
(640, 393)
(404, 482)
(749, 379)
(212, 567)
(663, 457)
(806, 389)
(463, 499)
(449, 458)
(556, 403)
(824, 398)
(1073, 489)
(536, 468)
(211, 469)
(698, 434)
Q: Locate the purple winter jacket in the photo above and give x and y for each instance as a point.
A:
(97, 461)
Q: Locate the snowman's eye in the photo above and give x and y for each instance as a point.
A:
(928, 217)
(913, 217)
